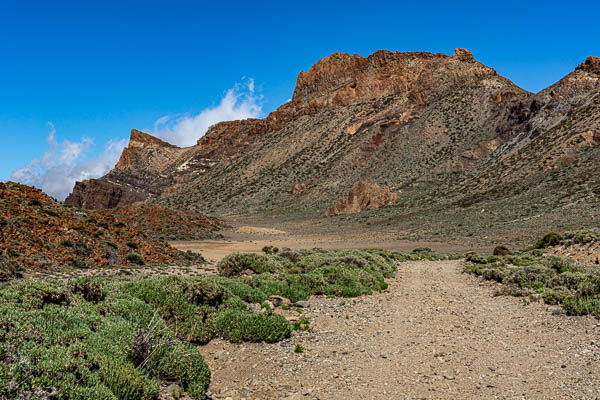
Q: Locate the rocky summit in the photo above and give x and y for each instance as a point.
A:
(450, 138)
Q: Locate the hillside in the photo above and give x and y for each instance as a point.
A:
(464, 148)
(39, 234)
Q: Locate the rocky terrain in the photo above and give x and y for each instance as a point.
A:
(458, 143)
(39, 234)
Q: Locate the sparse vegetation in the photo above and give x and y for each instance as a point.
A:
(556, 280)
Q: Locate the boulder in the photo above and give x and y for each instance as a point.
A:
(280, 301)
(362, 196)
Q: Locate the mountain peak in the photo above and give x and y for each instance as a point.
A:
(139, 138)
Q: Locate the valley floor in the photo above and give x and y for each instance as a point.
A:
(215, 250)
(436, 333)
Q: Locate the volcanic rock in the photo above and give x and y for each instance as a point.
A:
(95, 194)
(362, 196)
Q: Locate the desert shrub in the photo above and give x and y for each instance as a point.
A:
(560, 264)
(422, 250)
(555, 295)
(493, 274)
(239, 326)
(35, 203)
(50, 212)
(135, 258)
(111, 244)
(585, 236)
(128, 383)
(132, 245)
(532, 276)
(475, 258)
(182, 363)
(270, 250)
(568, 279)
(582, 305)
(238, 263)
(90, 288)
(549, 239)
(66, 243)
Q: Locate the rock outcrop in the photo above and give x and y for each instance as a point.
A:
(95, 194)
(363, 196)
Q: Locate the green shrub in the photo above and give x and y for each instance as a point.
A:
(241, 326)
(127, 382)
(549, 239)
(238, 263)
(585, 236)
(533, 276)
(555, 295)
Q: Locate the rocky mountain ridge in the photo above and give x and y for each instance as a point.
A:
(419, 123)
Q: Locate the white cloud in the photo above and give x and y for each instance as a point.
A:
(66, 162)
(239, 102)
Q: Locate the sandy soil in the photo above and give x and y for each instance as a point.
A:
(434, 334)
(214, 250)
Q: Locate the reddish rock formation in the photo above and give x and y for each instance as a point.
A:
(362, 196)
(591, 65)
(37, 233)
(94, 194)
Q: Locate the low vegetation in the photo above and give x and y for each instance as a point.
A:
(537, 274)
(102, 338)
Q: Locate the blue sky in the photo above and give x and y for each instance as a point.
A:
(91, 72)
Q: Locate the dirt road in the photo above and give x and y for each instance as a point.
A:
(434, 334)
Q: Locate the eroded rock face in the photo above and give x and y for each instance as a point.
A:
(362, 196)
(95, 194)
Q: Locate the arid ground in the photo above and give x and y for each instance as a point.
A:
(436, 333)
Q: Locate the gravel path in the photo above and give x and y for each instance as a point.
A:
(435, 334)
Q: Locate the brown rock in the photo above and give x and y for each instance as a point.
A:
(502, 251)
(362, 196)
(280, 301)
(95, 194)
(463, 55)
(591, 65)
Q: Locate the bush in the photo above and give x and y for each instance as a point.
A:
(135, 258)
(585, 236)
(549, 239)
(239, 263)
(240, 326)
(270, 250)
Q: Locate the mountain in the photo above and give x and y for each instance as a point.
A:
(446, 133)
